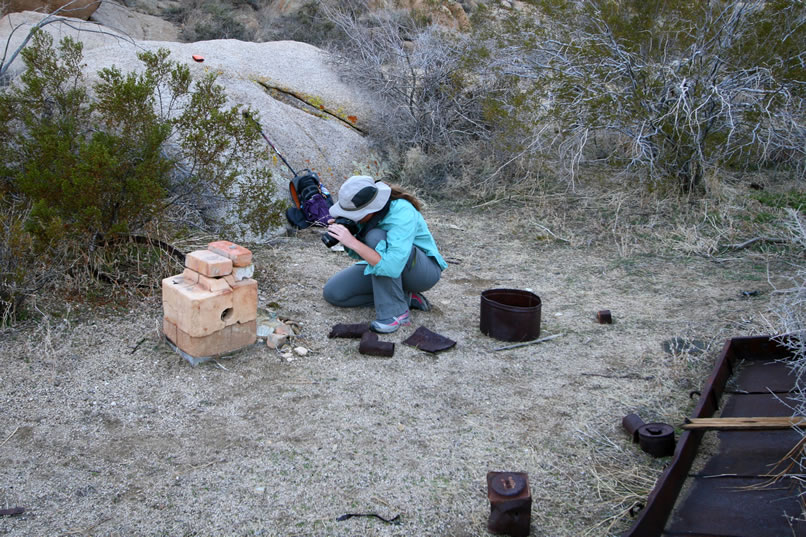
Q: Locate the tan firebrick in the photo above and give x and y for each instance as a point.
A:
(195, 310)
(229, 339)
(208, 263)
(240, 256)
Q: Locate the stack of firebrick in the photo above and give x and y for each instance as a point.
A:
(211, 308)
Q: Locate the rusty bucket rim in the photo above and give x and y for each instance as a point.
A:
(520, 292)
(510, 314)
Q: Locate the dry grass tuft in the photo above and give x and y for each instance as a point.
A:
(622, 481)
(789, 310)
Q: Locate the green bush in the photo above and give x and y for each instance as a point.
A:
(86, 170)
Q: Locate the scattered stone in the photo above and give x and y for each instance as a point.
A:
(275, 340)
(242, 273)
(282, 329)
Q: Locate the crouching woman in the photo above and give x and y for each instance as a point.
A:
(398, 257)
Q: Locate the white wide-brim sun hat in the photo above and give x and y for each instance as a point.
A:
(359, 196)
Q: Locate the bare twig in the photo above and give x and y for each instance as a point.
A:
(749, 242)
(9, 437)
(541, 340)
(53, 17)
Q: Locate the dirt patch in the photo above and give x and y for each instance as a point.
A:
(106, 431)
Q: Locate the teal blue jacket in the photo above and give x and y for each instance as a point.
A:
(405, 228)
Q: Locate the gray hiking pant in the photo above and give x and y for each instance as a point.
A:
(350, 287)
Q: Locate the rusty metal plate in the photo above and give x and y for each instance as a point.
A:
(722, 507)
(749, 405)
(749, 453)
(762, 377)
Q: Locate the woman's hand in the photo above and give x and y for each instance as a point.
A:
(343, 235)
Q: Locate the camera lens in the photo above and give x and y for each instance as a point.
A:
(329, 240)
(351, 226)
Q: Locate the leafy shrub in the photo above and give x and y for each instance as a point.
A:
(85, 170)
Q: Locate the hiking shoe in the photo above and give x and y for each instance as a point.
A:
(417, 301)
(387, 326)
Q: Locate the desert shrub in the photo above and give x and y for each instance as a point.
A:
(202, 20)
(427, 95)
(672, 91)
(788, 310)
(86, 169)
(306, 24)
(21, 272)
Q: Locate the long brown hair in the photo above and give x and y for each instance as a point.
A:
(398, 193)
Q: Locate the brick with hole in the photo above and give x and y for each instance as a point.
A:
(195, 310)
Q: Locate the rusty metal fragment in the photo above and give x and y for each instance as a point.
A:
(510, 503)
(733, 494)
(632, 422)
(372, 346)
(510, 314)
(426, 340)
(348, 330)
(604, 317)
(657, 439)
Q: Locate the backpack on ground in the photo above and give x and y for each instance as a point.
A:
(311, 200)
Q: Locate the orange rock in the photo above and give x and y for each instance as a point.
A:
(213, 284)
(169, 329)
(244, 300)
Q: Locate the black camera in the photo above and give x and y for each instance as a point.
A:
(328, 239)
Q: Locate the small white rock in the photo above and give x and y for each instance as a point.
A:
(241, 273)
(301, 351)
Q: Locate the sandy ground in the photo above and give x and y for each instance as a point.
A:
(106, 431)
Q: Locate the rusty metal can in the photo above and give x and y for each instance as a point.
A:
(657, 439)
(604, 317)
(632, 422)
(510, 503)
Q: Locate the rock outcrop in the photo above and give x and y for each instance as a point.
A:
(77, 9)
(312, 117)
(138, 26)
